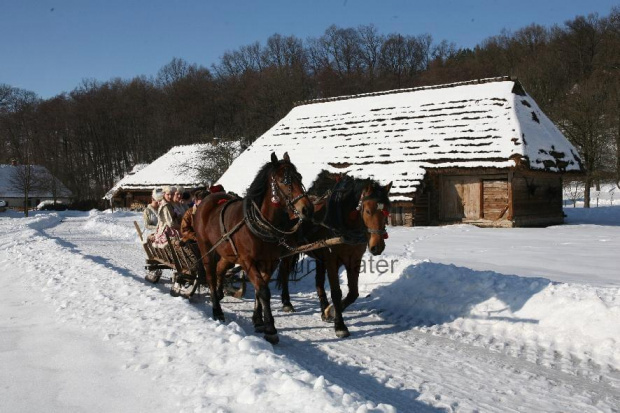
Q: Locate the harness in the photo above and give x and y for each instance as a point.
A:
(257, 223)
(334, 220)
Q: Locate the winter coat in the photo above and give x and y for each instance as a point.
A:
(150, 217)
(165, 215)
(187, 225)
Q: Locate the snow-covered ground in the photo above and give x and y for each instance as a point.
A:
(454, 318)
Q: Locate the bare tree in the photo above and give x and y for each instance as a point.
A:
(174, 71)
(370, 49)
(214, 160)
(574, 190)
(584, 124)
(26, 179)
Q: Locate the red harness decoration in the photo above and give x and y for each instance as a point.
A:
(216, 188)
(222, 201)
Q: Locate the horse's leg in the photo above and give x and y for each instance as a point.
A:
(319, 280)
(260, 280)
(284, 271)
(222, 267)
(257, 316)
(262, 317)
(334, 284)
(353, 275)
(264, 295)
(210, 263)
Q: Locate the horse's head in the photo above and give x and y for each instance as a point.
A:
(287, 189)
(374, 208)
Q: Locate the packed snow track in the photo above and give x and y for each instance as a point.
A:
(431, 335)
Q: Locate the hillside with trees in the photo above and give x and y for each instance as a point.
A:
(94, 134)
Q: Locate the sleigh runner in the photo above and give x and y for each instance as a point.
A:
(187, 270)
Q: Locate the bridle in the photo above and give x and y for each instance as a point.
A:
(384, 209)
(290, 201)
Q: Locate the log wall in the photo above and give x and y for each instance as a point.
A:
(537, 199)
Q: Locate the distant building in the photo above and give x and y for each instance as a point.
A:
(179, 167)
(479, 152)
(43, 186)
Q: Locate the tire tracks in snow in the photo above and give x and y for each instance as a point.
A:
(389, 361)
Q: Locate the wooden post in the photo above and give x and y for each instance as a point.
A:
(510, 200)
(146, 248)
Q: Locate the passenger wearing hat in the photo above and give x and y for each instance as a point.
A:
(165, 215)
(150, 212)
(178, 205)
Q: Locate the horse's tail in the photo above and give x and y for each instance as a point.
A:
(285, 268)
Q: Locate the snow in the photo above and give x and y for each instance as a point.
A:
(396, 136)
(461, 319)
(175, 355)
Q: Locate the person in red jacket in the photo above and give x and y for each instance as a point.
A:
(187, 223)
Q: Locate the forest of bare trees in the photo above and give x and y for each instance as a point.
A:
(94, 134)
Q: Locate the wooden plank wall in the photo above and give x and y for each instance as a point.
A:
(537, 198)
(461, 198)
(490, 196)
(494, 198)
(402, 214)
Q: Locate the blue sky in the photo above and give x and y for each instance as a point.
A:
(50, 46)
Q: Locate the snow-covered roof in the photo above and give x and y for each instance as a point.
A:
(397, 135)
(178, 166)
(42, 181)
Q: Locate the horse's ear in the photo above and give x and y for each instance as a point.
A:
(388, 187)
(286, 157)
(274, 157)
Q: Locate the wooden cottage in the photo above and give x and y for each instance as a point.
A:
(479, 152)
(176, 167)
(41, 184)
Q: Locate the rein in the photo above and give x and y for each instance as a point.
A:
(262, 228)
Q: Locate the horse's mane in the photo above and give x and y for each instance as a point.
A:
(323, 183)
(260, 185)
(346, 193)
(379, 193)
(326, 181)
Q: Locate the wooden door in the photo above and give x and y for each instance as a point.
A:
(495, 198)
(461, 198)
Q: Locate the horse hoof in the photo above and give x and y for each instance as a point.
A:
(343, 333)
(288, 308)
(327, 319)
(174, 292)
(272, 338)
(329, 314)
(218, 317)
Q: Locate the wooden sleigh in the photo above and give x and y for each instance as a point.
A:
(187, 269)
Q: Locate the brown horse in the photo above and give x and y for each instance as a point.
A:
(356, 209)
(251, 232)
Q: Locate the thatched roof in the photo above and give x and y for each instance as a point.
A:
(42, 181)
(397, 135)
